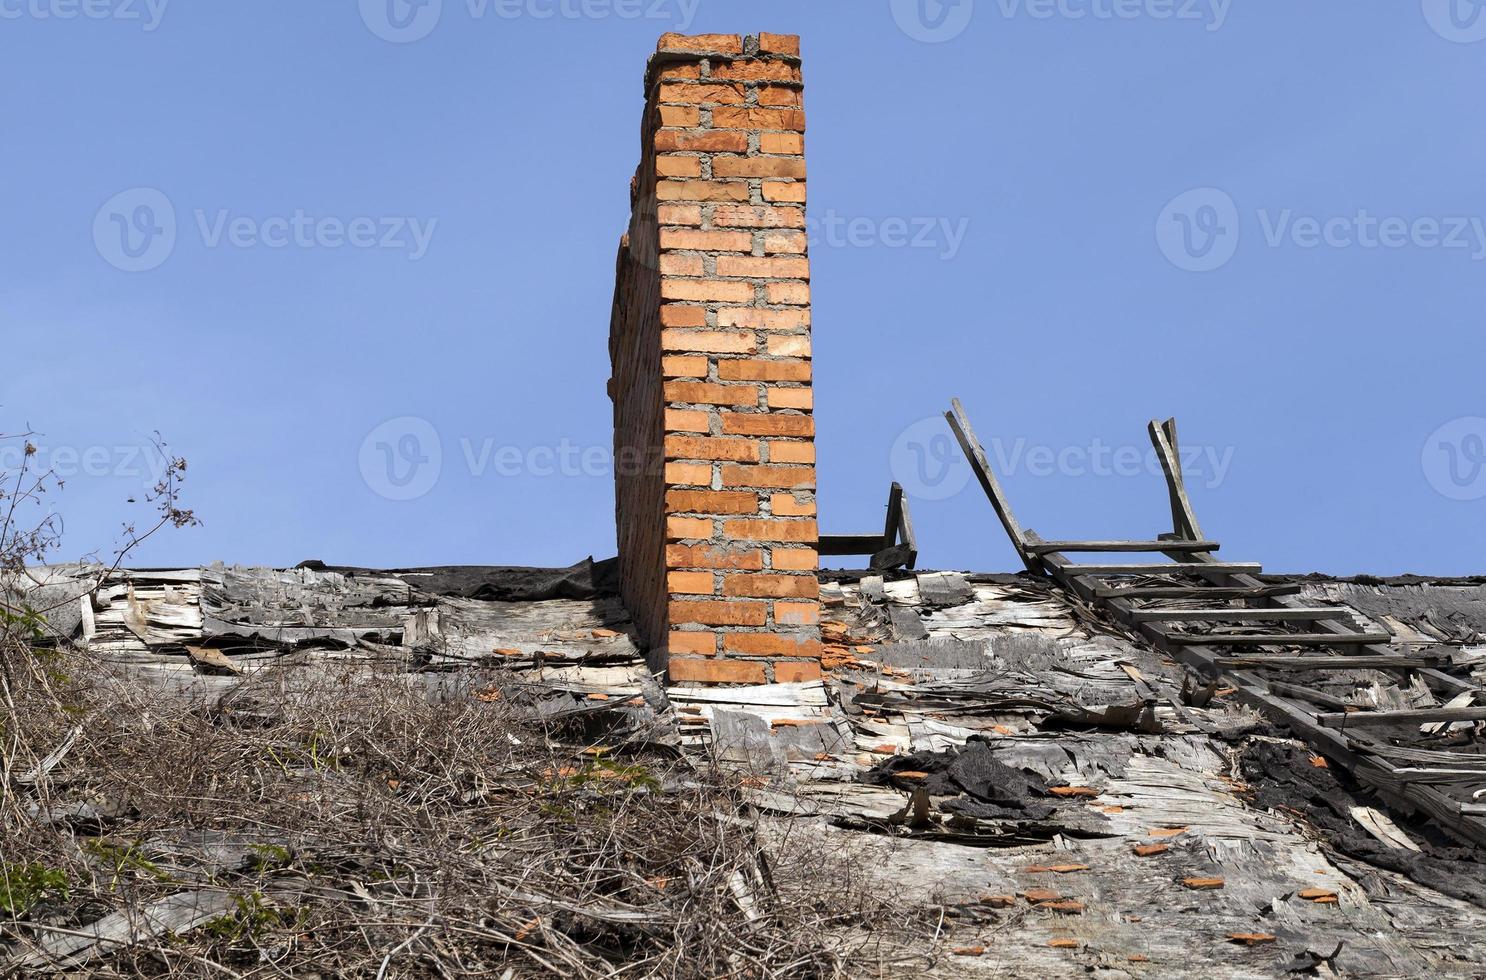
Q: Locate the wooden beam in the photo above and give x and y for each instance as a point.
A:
(1361, 661)
(1416, 716)
(1300, 614)
(988, 482)
(1183, 519)
(1194, 591)
(1168, 568)
(1130, 546)
(1278, 639)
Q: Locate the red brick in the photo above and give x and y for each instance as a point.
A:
(792, 452)
(700, 43)
(759, 167)
(713, 556)
(701, 190)
(683, 316)
(763, 268)
(791, 143)
(767, 530)
(681, 528)
(681, 265)
(757, 71)
(767, 424)
(676, 366)
(710, 341)
(751, 319)
(699, 393)
(711, 502)
(788, 293)
(743, 216)
(771, 586)
(701, 447)
(797, 613)
(775, 190)
(709, 290)
(790, 345)
(683, 117)
(689, 474)
(674, 166)
(719, 612)
(795, 672)
(787, 44)
(703, 141)
(681, 420)
(703, 94)
(692, 583)
(679, 214)
(707, 241)
(715, 671)
(748, 370)
(693, 641)
(784, 241)
(770, 645)
(679, 73)
(769, 477)
(796, 559)
(728, 117)
(779, 95)
(801, 398)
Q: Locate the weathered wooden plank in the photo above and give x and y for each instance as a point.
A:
(988, 482)
(1416, 716)
(1167, 568)
(1322, 662)
(1196, 591)
(1134, 547)
(1278, 639)
(1302, 614)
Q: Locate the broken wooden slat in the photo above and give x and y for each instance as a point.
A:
(1196, 591)
(1278, 639)
(1168, 568)
(1321, 662)
(1300, 614)
(1416, 716)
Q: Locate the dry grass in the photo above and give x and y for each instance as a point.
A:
(346, 823)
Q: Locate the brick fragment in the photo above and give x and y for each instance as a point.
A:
(700, 141)
(711, 502)
(755, 267)
(713, 556)
(701, 393)
(764, 586)
(767, 424)
(690, 582)
(795, 672)
(760, 167)
(730, 117)
(775, 190)
(693, 641)
(743, 369)
(710, 341)
(702, 190)
(785, 44)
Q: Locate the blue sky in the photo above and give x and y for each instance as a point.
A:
(394, 229)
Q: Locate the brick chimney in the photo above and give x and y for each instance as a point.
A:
(710, 344)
